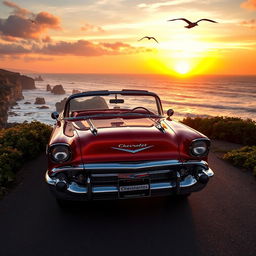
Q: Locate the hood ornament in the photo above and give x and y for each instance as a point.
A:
(127, 148)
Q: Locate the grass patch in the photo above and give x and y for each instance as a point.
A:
(18, 145)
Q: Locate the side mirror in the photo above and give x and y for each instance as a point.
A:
(55, 115)
(170, 112)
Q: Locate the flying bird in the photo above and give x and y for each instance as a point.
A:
(148, 37)
(192, 24)
(33, 21)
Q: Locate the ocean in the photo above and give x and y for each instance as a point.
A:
(233, 96)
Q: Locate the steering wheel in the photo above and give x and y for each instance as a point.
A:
(142, 108)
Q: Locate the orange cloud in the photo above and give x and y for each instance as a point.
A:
(249, 4)
(87, 48)
(91, 28)
(249, 23)
(77, 48)
(9, 38)
(116, 46)
(26, 25)
(13, 49)
(46, 20)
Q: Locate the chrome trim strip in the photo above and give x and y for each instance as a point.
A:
(133, 151)
(49, 180)
(129, 166)
(75, 188)
(201, 163)
(104, 175)
(143, 165)
(132, 166)
(188, 181)
(106, 189)
(58, 144)
(209, 172)
(162, 185)
(68, 168)
(159, 172)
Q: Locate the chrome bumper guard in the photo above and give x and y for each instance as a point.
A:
(175, 185)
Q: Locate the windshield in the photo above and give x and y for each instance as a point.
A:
(112, 104)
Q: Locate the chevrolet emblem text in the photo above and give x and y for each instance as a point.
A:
(132, 148)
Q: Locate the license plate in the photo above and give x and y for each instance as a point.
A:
(133, 188)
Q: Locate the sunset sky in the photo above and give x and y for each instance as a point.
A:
(101, 36)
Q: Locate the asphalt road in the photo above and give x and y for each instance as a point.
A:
(220, 220)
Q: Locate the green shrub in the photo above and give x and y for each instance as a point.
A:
(29, 138)
(244, 157)
(19, 144)
(10, 162)
(230, 129)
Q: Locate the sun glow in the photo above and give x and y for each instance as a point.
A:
(182, 67)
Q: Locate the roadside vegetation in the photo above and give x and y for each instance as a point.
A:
(235, 130)
(19, 144)
(244, 157)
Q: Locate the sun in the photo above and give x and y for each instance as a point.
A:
(182, 67)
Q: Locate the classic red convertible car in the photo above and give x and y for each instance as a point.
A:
(118, 144)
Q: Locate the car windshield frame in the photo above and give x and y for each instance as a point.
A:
(159, 109)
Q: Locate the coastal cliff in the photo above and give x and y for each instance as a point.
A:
(27, 83)
(11, 86)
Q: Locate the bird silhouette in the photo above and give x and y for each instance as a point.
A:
(33, 21)
(193, 24)
(149, 38)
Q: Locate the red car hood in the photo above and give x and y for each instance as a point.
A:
(122, 140)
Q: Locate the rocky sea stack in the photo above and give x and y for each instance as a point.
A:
(11, 86)
(38, 79)
(39, 101)
(58, 89)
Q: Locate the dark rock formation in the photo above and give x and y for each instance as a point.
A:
(10, 92)
(27, 83)
(48, 88)
(60, 105)
(11, 113)
(75, 91)
(96, 102)
(58, 89)
(38, 79)
(43, 107)
(93, 103)
(28, 114)
(27, 102)
(39, 101)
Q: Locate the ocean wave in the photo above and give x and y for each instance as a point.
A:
(198, 105)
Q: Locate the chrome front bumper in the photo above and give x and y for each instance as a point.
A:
(102, 180)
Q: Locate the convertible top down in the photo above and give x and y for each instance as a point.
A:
(118, 144)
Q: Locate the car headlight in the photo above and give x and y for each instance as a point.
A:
(60, 153)
(199, 147)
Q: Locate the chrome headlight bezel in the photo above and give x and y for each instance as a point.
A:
(59, 152)
(199, 147)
